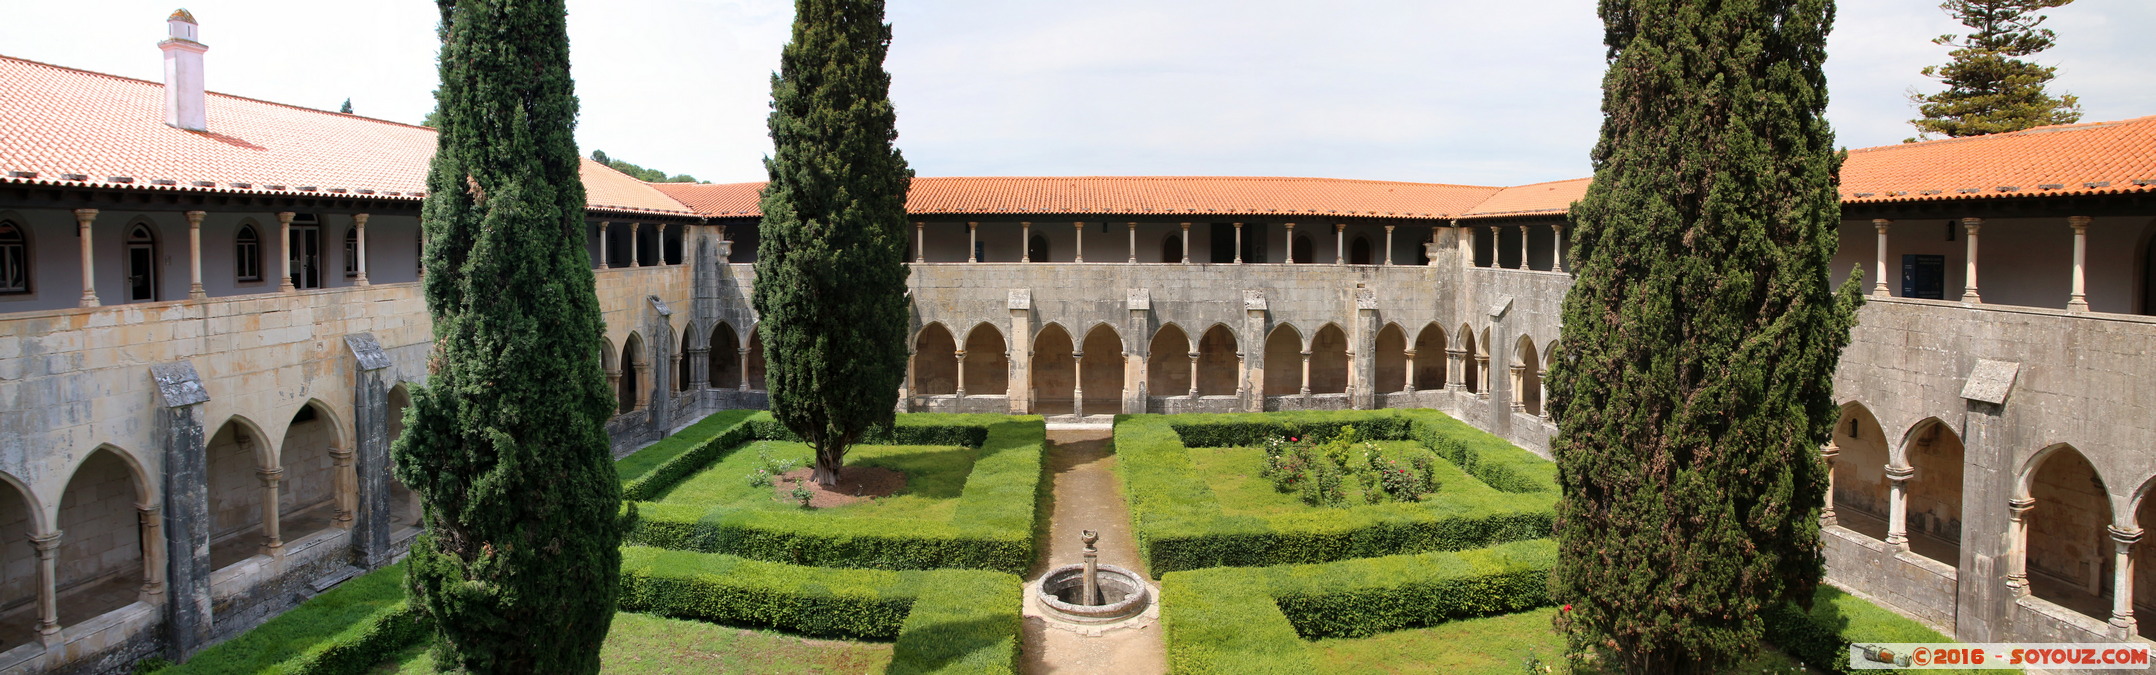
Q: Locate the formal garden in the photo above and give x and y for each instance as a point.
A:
(1333, 542)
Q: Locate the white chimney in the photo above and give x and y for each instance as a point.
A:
(183, 74)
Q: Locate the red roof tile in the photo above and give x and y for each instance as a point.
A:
(1540, 198)
(2073, 159)
(58, 122)
(1164, 196)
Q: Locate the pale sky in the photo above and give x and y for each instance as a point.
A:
(1449, 91)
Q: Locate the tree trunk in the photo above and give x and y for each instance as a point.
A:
(828, 461)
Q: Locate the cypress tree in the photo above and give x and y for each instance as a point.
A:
(505, 445)
(1693, 389)
(1988, 89)
(830, 288)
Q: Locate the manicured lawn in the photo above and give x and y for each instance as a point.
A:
(1489, 645)
(327, 618)
(1235, 478)
(641, 643)
(935, 475)
(643, 461)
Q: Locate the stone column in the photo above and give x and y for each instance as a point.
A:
(602, 244)
(1968, 291)
(1291, 243)
(2122, 581)
(1078, 384)
(1305, 389)
(676, 379)
(1542, 390)
(742, 353)
(48, 577)
(1133, 242)
(613, 385)
(920, 241)
(1339, 244)
(1408, 384)
(1250, 362)
(2079, 300)
(699, 369)
(973, 230)
(1455, 369)
(1557, 247)
(1019, 302)
(1898, 505)
(1025, 240)
(660, 255)
(1826, 511)
(1238, 243)
(1523, 249)
(1482, 371)
(371, 382)
(1194, 375)
(636, 243)
(152, 526)
(272, 539)
(342, 483)
(2017, 560)
(1466, 242)
(177, 432)
(194, 256)
(1879, 285)
(1519, 387)
(284, 251)
(1078, 250)
(1388, 245)
(1186, 243)
(83, 218)
(961, 355)
(359, 225)
(1497, 255)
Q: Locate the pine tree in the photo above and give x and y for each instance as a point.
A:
(831, 274)
(1988, 89)
(347, 108)
(505, 444)
(1693, 389)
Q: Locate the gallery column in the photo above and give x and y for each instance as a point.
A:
(1968, 292)
(1879, 285)
(1898, 505)
(284, 251)
(2079, 300)
(359, 229)
(83, 218)
(2122, 580)
(194, 255)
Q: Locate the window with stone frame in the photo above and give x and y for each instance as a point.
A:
(247, 254)
(14, 259)
(351, 252)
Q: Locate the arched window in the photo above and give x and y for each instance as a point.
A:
(1304, 250)
(247, 250)
(141, 264)
(351, 252)
(14, 259)
(1171, 249)
(1359, 252)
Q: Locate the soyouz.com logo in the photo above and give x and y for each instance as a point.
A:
(2009, 655)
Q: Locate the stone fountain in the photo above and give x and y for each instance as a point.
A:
(1093, 593)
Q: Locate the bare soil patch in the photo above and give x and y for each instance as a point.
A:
(855, 484)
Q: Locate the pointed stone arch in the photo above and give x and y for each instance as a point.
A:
(629, 389)
(1329, 360)
(21, 518)
(935, 361)
(1932, 511)
(753, 367)
(1170, 362)
(1862, 500)
(1101, 370)
(1219, 362)
(1470, 370)
(987, 369)
(2067, 553)
(1284, 361)
(1391, 359)
(1527, 377)
(1054, 370)
(239, 458)
(103, 559)
(404, 507)
(724, 360)
(1430, 358)
(316, 489)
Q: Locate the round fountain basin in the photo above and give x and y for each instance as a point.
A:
(1123, 594)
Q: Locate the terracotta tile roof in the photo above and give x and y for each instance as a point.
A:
(1177, 196)
(1540, 198)
(74, 127)
(2073, 159)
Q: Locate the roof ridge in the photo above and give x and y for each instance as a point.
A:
(161, 85)
(2010, 134)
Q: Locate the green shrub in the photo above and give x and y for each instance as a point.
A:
(649, 472)
(1821, 637)
(348, 630)
(1182, 526)
(943, 620)
(1255, 619)
(992, 528)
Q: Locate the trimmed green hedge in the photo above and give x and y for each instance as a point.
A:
(1182, 526)
(942, 620)
(653, 470)
(1821, 637)
(347, 631)
(991, 530)
(1255, 619)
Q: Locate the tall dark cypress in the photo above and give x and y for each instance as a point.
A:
(506, 443)
(830, 288)
(1693, 388)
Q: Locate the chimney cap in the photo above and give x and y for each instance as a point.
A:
(182, 14)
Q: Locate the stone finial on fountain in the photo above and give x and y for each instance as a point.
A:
(1091, 594)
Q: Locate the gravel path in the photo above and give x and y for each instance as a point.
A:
(1086, 496)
